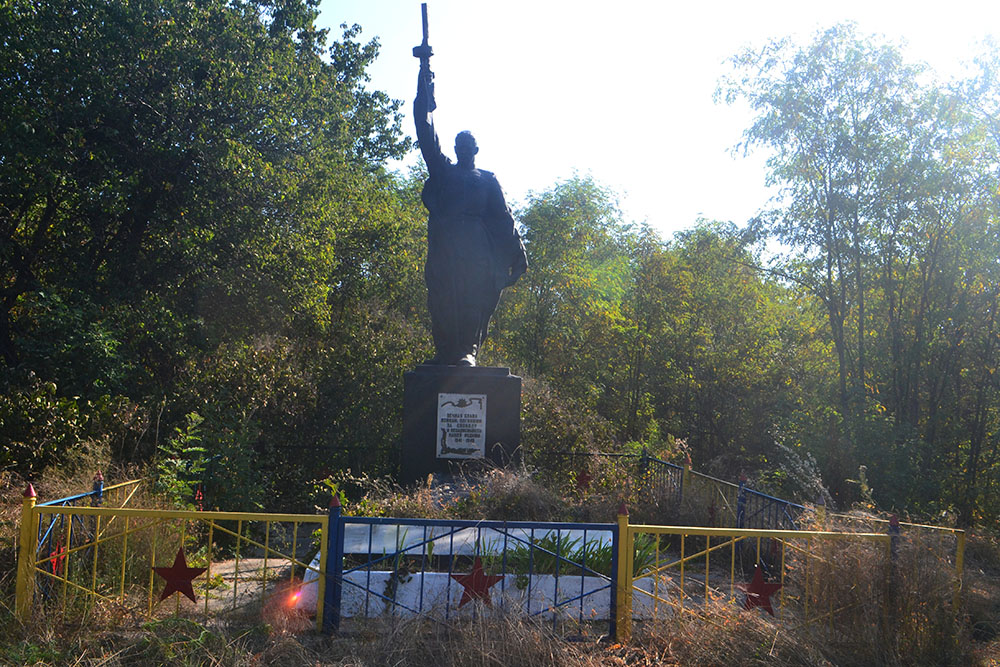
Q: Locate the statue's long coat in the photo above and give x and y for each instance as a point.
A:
(473, 248)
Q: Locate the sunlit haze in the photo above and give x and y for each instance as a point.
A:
(623, 91)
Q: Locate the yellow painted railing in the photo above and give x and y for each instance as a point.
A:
(665, 570)
(120, 495)
(709, 490)
(109, 554)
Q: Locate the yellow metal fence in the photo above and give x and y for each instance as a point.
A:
(805, 576)
(121, 494)
(113, 556)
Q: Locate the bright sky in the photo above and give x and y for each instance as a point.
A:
(623, 90)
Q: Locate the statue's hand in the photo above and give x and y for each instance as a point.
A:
(426, 79)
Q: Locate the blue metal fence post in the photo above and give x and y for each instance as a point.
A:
(741, 502)
(646, 485)
(98, 490)
(334, 568)
(613, 592)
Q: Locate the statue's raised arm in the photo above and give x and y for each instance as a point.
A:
(423, 107)
(424, 104)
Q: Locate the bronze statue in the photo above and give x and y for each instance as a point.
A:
(473, 249)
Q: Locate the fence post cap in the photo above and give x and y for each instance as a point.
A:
(687, 459)
(623, 510)
(894, 521)
(335, 501)
(30, 491)
(99, 477)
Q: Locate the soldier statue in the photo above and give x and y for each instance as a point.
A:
(473, 248)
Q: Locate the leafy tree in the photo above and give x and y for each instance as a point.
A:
(889, 215)
(834, 115)
(183, 181)
(721, 368)
(671, 344)
(183, 149)
(554, 322)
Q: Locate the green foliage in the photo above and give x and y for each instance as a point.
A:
(892, 228)
(196, 217)
(553, 553)
(180, 464)
(327, 486)
(681, 343)
(182, 641)
(548, 322)
(34, 653)
(204, 225)
(40, 427)
(552, 422)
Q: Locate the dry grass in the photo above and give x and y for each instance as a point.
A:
(726, 634)
(493, 493)
(721, 634)
(513, 495)
(377, 496)
(981, 595)
(492, 639)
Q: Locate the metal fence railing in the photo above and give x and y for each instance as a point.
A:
(833, 578)
(116, 495)
(73, 556)
(649, 478)
(560, 572)
(584, 577)
(759, 510)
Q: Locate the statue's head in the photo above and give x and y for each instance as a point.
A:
(465, 147)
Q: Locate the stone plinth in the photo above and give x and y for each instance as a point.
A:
(456, 416)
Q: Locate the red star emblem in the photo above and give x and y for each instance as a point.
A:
(476, 584)
(58, 557)
(178, 577)
(583, 480)
(759, 593)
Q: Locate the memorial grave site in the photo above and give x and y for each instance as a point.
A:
(690, 567)
(287, 376)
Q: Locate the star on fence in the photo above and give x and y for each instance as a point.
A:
(179, 577)
(476, 584)
(759, 593)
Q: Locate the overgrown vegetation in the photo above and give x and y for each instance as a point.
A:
(216, 232)
(196, 218)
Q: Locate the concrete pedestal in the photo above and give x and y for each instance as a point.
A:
(455, 416)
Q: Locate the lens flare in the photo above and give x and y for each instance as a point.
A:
(281, 610)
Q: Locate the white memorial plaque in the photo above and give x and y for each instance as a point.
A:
(461, 426)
